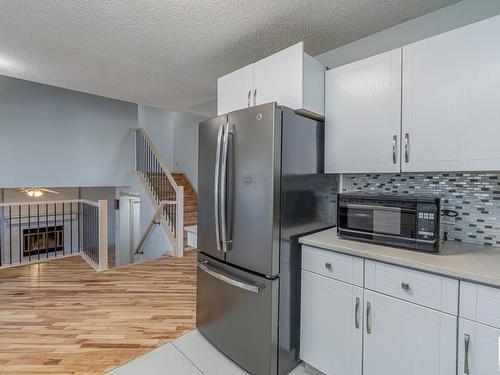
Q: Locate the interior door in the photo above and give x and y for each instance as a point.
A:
(405, 338)
(209, 135)
(363, 115)
(235, 90)
(253, 186)
(238, 312)
(478, 349)
(451, 86)
(331, 337)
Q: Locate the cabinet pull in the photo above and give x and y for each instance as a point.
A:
(249, 96)
(407, 147)
(466, 355)
(405, 286)
(356, 313)
(394, 149)
(368, 313)
(255, 97)
(328, 265)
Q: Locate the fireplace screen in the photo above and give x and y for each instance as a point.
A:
(48, 239)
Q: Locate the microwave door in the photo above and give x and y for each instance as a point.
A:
(376, 219)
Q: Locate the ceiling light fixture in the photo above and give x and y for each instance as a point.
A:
(34, 192)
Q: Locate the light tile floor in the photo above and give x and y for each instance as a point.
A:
(190, 354)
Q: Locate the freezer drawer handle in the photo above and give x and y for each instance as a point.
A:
(239, 284)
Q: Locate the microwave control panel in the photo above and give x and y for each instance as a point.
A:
(427, 217)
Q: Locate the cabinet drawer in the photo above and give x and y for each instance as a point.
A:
(480, 303)
(436, 292)
(334, 265)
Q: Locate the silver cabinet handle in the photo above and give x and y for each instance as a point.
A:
(368, 313)
(255, 97)
(216, 187)
(223, 183)
(328, 265)
(203, 265)
(407, 147)
(249, 96)
(405, 286)
(466, 355)
(356, 313)
(394, 149)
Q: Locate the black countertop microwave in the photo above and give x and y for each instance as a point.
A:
(404, 221)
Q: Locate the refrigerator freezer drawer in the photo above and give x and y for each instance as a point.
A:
(238, 312)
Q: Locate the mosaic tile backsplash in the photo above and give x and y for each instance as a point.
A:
(475, 196)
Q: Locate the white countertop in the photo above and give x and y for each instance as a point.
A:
(474, 263)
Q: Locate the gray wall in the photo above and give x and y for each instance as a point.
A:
(442, 20)
(103, 193)
(175, 135)
(186, 144)
(58, 137)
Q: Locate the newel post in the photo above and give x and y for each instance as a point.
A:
(103, 235)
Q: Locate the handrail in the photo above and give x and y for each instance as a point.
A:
(160, 184)
(25, 203)
(145, 235)
(160, 160)
(42, 230)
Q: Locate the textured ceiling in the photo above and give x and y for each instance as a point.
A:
(167, 53)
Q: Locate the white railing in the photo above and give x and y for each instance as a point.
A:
(167, 196)
(33, 232)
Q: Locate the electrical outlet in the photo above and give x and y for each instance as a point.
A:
(447, 220)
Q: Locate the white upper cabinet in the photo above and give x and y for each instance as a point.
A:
(234, 90)
(290, 77)
(451, 92)
(363, 115)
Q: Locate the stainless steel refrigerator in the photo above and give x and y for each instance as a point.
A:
(260, 187)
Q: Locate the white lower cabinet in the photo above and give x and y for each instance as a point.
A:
(405, 338)
(355, 325)
(332, 325)
(478, 349)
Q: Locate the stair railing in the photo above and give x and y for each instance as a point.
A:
(38, 231)
(163, 190)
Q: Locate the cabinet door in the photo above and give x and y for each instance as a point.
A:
(363, 115)
(331, 325)
(451, 86)
(278, 78)
(478, 349)
(234, 90)
(404, 338)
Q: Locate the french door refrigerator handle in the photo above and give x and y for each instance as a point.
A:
(216, 187)
(223, 189)
(237, 283)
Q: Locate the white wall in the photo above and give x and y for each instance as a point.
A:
(57, 137)
(462, 13)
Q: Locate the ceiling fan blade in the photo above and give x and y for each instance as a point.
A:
(50, 191)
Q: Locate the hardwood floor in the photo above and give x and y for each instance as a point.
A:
(62, 317)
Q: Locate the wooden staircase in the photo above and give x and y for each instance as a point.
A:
(190, 199)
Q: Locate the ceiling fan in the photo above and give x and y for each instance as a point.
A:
(36, 192)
